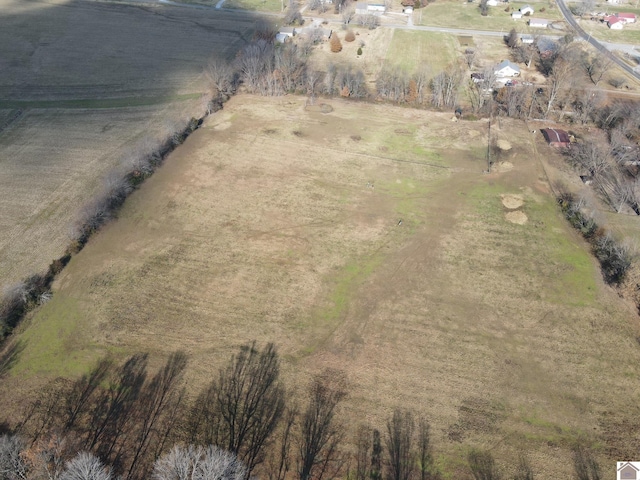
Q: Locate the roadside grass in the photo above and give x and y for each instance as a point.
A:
(465, 15)
(411, 49)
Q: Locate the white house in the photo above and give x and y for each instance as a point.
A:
(627, 17)
(614, 23)
(408, 10)
(507, 68)
(527, 10)
(286, 32)
(361, 8)
(538, 23)
(613, 2)
(492, 3)
(376, 8)
(526, 39)
(516, 15)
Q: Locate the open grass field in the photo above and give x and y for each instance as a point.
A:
(482, 309)
(630, 33)
(464, 15)
(80, 83)
(411, 49)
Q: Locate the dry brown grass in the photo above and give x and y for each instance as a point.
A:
(502, 334)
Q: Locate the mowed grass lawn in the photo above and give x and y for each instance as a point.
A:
(457, 14)
(411, 49)
(365, 239)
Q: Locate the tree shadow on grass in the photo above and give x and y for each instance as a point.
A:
(9, 355)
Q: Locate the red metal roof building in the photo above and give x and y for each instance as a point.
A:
(556, 137)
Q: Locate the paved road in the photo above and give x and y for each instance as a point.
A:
(568, 16)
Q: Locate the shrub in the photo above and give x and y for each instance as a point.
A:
(335, 43)
(350, 36)
(617, 82)
(359, 51)
(614, 257)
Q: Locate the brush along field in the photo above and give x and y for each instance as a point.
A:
(365, 238)
(81, 83)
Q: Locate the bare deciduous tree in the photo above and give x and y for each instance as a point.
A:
(585, 465)
(523, 470)
(320, 435)
(198, 463)
(376, 456)
(12, 463)
(241, 408)
(399, 443)
(482, 465)
(425, 456)
(86, 466)
(595, 66)
(559, 83)
(363, 452)
(445, 87)
(512, 38)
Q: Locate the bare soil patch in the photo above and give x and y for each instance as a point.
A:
(517, 216)
(512, 201)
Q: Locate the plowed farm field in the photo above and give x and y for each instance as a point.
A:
(81, 84)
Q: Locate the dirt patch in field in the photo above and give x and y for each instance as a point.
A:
(518, 217)
(512, 201)
(503, 145)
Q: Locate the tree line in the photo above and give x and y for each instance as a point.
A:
(119, 421)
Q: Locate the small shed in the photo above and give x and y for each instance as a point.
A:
(538, 23)
(507, 68)
(556, 137)
(477, 77)
(527, 10)
(516, 15)
(492, 3)
(408, 10)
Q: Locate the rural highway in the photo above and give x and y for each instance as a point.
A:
(568, 16)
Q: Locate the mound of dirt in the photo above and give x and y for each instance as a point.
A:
(517, 216)
(503, 145)
(321, 107)
(512, 201)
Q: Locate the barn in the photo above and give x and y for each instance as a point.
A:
(556, 137)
